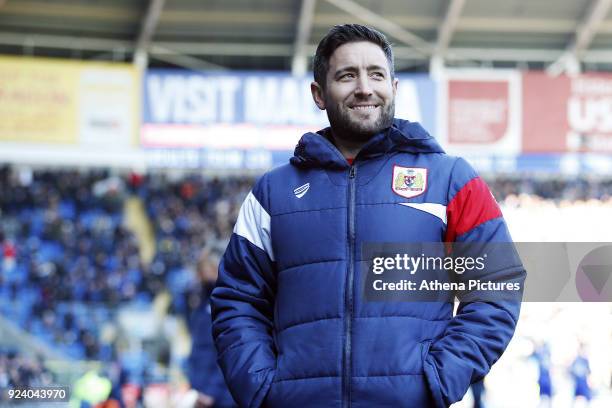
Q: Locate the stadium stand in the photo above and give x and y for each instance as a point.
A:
(132, 101)
(70, 266)
(189, 215)
(19, 371)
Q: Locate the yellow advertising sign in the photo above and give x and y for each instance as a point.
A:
(68, 102)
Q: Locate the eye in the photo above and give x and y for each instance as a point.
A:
(378, 75)
(347, 76)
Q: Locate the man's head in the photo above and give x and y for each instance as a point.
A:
(354, 81)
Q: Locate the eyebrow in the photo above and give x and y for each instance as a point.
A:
(352, 68)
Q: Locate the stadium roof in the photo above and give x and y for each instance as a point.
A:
(560, 35)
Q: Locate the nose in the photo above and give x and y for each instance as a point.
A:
(364, 89)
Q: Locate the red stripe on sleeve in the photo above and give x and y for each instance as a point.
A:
(471, 206)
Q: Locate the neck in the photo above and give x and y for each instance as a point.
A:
(348, 148)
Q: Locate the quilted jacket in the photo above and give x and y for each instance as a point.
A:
(290, 323)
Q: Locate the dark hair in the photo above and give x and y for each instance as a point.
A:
(342, 34)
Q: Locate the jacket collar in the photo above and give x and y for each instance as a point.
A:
(316, 149)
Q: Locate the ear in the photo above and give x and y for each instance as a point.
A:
(317, 95)
(394, 85)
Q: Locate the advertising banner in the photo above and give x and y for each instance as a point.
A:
(480, 111)
(66, 102)
(567, 114)
(249, 111)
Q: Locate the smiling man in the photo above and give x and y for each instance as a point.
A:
(356, 85)
(291, 323)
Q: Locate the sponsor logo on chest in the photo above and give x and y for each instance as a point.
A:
(301, 190)
(409, 182)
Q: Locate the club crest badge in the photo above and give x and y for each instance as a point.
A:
(409, 181)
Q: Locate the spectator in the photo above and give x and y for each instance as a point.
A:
(580, 371)
(204, 374)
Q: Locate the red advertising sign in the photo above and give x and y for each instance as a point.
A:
(480, 112)
(567, 114)
(477, 111)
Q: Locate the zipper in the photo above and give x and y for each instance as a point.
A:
(348, 292)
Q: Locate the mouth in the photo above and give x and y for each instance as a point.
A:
(364, 107)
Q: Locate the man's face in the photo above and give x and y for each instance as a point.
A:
(359, 95)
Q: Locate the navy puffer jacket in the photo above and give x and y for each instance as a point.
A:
(290, 323)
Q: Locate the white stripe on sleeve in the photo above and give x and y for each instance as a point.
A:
(253, 224)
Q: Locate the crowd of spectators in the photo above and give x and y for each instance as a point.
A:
(555, 209)
(554, 189)
(68, 262)
(190, 215)
(19, 371)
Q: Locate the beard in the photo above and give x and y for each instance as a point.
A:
(347, 125)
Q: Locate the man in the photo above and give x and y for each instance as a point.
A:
(580, 371)
(289, 319)
(202, 369)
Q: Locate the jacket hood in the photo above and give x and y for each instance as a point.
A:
(316, 149)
